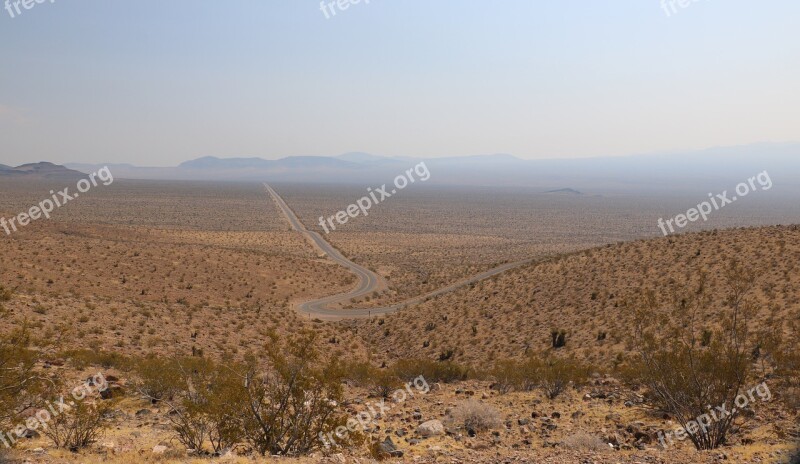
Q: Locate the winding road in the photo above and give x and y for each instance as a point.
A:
(368, 281)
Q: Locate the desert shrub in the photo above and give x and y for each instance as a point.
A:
(682, 376)
(409, 369)
(787, 372)
(5, 294)
(475, 416)
(81, 359)
(158, 378)
(582, 441)
(78, 426)
(294, 400)
(554, 375)
(359, 373)
(21, 386)
(381, 383)
(280, 408)
(507, 375)
(209, 407)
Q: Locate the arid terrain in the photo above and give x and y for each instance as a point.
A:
(211, 272)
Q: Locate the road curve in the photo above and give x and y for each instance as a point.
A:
(368, 281)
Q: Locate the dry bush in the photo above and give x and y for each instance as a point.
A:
(278, 408)
(683, 377)
(21, 387)
(81, 359)
(475, 416)
(507, 375)
(78, 426)
(159, 378)
(5, 294)
(210, 406)
(381, 383)
(294, 400)
(409, 369)
(583, 441)
(554, 375)
(787, 371)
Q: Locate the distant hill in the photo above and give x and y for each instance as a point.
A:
(565, 191)
(3, 167)
(41, 170)
(364, 158)
(212, 162)
(696, 172)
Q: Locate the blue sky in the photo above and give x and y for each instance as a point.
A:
(159, 82)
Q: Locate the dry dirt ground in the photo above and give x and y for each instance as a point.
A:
(169, 269)
(583, 293)
(427, 237)
(576, 428)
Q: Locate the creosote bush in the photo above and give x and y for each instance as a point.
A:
(381, 383)
(79, 426)
(21, 386)
(277, 404)
(683, 368)
(409, 369)
(553, 375)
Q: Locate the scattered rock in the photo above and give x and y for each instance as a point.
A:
(431, 428)
(388, 447)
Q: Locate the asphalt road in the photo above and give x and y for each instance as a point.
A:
(368, 281)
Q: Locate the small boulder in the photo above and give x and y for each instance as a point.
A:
(431, 428)
(388, 447)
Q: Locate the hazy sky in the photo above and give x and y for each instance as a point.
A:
(159, 82)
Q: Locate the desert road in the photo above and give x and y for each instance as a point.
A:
(368, 281)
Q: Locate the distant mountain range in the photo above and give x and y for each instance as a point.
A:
(703, 170)
(42, 170)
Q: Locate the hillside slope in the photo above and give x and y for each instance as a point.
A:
(584, 294)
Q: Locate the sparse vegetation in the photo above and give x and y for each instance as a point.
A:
(99, 297)
(475, 416)
(79, 426)
(683, 367)
(22, 386)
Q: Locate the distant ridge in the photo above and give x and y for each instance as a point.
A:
(41, 170)
(306, 162)
(565, 191)
(715, 169)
